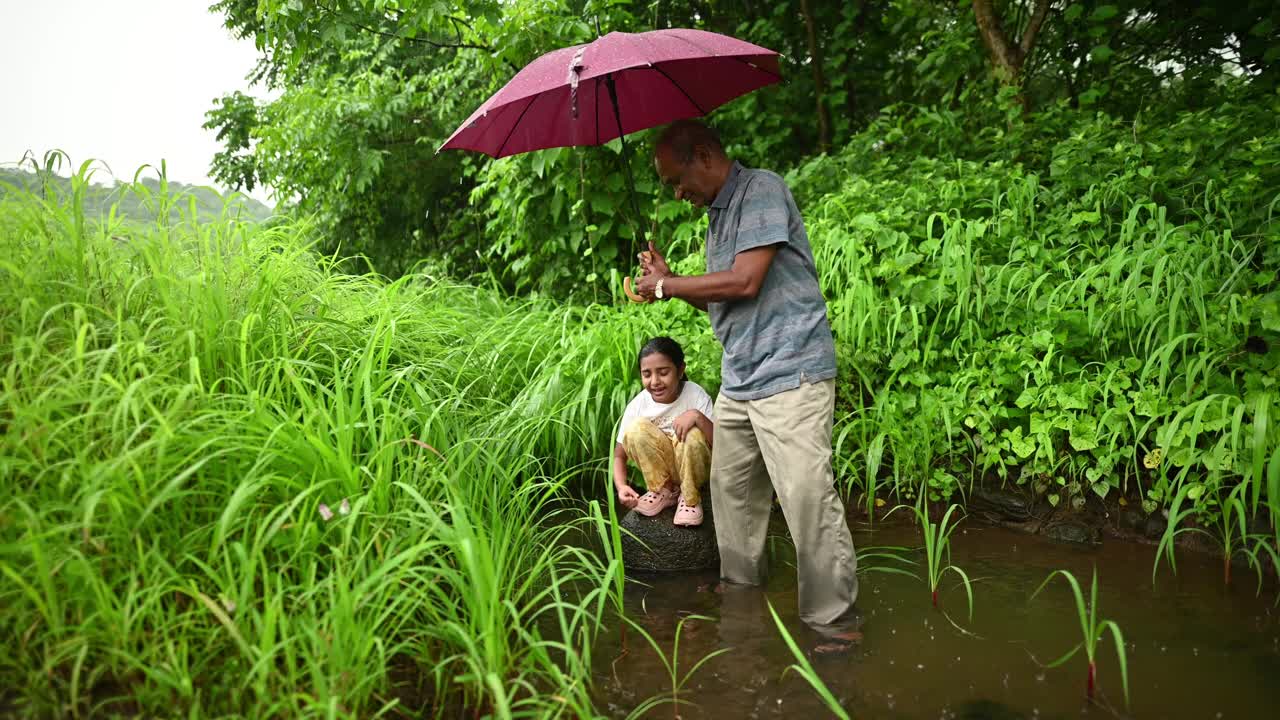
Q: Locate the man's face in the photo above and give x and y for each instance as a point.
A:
(692, 182)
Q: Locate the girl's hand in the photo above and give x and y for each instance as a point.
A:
(687, 421)
(628, 497)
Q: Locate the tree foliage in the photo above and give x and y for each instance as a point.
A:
(368, 89)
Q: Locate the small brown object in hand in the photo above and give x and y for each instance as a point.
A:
(626, 282)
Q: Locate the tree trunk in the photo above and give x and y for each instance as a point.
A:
(850, 87)
(1008, 57)
(819, 82)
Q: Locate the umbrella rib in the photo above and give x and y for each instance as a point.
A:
(753, 66)
(672, 80)
(515, 125)
(739, 58)
(684, 92)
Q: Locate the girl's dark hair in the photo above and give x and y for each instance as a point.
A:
(665, 346)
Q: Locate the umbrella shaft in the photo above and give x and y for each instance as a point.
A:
(626, 160)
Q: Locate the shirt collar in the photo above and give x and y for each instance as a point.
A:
(730, 184)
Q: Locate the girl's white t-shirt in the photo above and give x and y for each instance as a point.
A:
(692, 397)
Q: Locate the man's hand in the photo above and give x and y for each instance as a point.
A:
(652, 262)
(687, 420)
(628, 497)
(647, 285)
(654, 267)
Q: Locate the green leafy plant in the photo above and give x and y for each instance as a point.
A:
(937, 550)
(1092, 630)
(672, 666)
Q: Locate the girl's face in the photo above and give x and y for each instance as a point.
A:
(661, 377)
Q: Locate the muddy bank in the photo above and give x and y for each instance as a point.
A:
(1098, 522)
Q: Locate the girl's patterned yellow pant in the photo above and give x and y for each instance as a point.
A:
(663, 459)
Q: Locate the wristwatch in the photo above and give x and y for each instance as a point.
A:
(657, 289)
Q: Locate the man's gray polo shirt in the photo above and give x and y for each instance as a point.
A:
(781, 338)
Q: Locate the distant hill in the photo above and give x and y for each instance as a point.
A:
(132, 205)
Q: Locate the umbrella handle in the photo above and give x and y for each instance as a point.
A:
(631, 294)
(646, 256)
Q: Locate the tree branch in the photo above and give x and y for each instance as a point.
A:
(1033, 27)
(398, 36)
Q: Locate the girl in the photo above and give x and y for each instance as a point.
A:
(666, 430)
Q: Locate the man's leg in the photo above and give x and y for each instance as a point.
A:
(741, 495)
(793, 429)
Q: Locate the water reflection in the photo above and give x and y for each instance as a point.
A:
(1195, 649)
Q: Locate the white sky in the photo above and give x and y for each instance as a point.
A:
(123, 81)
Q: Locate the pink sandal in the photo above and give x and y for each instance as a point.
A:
(688, 515)
(654, 502)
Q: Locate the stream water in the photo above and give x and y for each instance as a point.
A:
(1195, 648)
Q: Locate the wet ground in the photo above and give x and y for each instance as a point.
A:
(1195, 649)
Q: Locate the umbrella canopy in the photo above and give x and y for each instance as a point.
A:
(617, 84)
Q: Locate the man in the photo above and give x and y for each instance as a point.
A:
(777, 396)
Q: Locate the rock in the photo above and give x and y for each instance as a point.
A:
(1154, 527)
(669, 548)
(1131, 519)
(1072, 531)
(1001, 504)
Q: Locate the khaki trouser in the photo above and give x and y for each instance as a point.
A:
(785, 438)
(662, 458)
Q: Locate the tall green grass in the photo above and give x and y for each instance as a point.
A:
(238, 482)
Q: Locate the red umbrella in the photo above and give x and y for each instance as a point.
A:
(617, 84)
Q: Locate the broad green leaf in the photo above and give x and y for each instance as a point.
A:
(1022, 447)
(1103, 13)
(1084, 435)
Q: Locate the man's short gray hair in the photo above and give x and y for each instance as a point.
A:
(685, 136)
